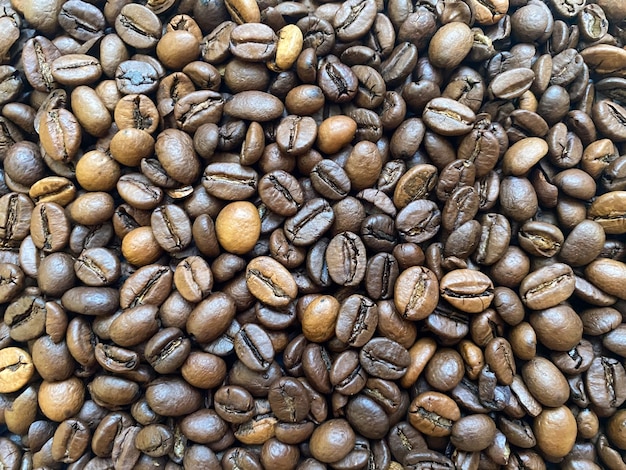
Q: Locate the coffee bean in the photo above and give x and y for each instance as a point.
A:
(332, 441)
(138, 26)
(555, 422)
(483, 428)
(17, 369)
(448, 117)
(253, 42)
(433, 414)
(60, 134)
(345, 257)
(545, 382)
(547, 286)
(416, 293)
(254, 347)
(287, 274)
(354, 19)
(450, 44)
(76, 69)
(70, 441)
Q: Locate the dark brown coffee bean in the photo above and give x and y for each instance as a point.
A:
(254, 348)
(289, 400)
(418, 221)
(357, 320)
(337, 81)
(384, 358)
(116, 359)
(172, 396)
(91, 300)
(354, 19)
(468, 290)
(330, 180)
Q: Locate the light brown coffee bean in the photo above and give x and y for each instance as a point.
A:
(270, 282)
(16, 369)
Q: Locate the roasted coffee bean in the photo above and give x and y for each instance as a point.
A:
(540, 239)
(254, 105)
(253, 42)
(345, 258)
(547, 286)
(254, 347)
(167, 350)
(270, 282)
(17, 369)
(416, 293)
(367, 166)
(76, 69)
(49, 227)
(357, 320)
(138, 26)
(337, 81)
(433, 414)
(116, 359)
(149, 285)
(289, 400)
(332, 440)
(467, 290)
(384, 358)
(330, 180)
(134, 76)
(38, 54)
(450, 45)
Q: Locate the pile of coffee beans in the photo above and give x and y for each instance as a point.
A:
(265, 234)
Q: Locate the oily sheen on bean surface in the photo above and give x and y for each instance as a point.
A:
(308, 235)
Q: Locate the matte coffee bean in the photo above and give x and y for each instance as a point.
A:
(17, 369)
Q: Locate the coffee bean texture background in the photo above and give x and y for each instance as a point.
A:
(308, 235)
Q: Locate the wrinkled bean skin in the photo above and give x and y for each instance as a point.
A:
(369, 234)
